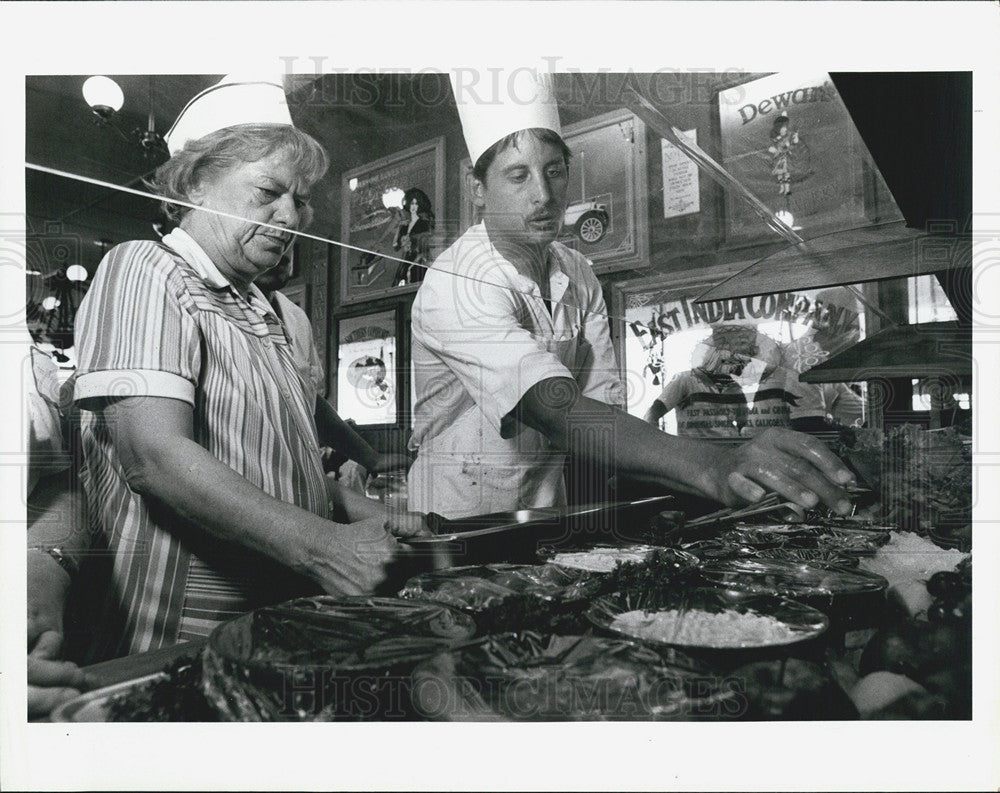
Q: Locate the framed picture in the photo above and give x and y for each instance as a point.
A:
(369, 378)
(789, 139)
(669, 344)
(606, 217)
(397, 241)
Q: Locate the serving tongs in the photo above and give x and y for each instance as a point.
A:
(771, 503)
(708, 525)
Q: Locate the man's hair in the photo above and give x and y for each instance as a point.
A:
(541, 134)
(218, 151)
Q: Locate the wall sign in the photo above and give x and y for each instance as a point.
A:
(680, 179)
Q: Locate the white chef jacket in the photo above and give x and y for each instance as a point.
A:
(483, 336)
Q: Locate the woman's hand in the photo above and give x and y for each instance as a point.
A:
(405, 525)
(353, 559)
(795, 466)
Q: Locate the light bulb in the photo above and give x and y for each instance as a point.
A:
(103, 92)
(393, 197)
(76, 272)
(50, 303)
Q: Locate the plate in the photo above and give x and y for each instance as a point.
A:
(92, 706)
(532, 677)
(712, 619)
(476, 587)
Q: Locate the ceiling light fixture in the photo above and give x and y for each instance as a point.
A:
(105, 98)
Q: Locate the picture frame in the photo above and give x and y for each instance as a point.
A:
(372, 217)
(606, 215)
(368, 379)
(811, 167)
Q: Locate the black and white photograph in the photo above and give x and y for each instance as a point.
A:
(485, 412)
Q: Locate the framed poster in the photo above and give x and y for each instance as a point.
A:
(606, 217)
(729, 368)
(368, 374)
(789, 139)
(397, 241)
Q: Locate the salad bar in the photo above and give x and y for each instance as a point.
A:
(728, 617)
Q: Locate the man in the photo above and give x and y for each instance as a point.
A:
(512, 352)
(332, 430)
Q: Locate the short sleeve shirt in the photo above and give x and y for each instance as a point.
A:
(160, 320)
(705, 409)
(482, 337)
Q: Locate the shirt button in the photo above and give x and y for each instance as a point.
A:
(267, 342)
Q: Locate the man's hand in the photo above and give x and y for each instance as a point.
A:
(793, 465)
(352, 559)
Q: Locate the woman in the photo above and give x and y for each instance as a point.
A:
(202, 462)
(412, 236)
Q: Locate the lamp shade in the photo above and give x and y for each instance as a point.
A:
(76, 272)
(100, 91)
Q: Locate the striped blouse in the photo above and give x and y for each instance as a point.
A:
(160, 320)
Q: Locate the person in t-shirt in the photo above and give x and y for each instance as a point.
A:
(708, 399)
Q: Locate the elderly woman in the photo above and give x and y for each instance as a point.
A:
(203, 468)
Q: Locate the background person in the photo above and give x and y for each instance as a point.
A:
(57, 535)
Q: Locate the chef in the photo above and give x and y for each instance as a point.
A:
(512, 355)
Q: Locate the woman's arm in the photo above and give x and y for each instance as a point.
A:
(154, 438)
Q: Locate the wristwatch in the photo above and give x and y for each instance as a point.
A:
(65, 562)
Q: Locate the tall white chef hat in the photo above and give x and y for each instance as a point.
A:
(496, 102)
(235, 99)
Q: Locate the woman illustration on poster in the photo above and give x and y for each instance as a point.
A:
(413, 237)
(783, 139)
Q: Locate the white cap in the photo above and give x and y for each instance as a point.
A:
(235, 99)
(494, 103)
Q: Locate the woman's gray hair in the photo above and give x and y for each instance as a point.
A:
(218, 151)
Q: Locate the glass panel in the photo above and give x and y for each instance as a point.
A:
(927, 300)
(731, 368)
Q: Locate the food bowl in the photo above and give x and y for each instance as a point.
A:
(708, 620)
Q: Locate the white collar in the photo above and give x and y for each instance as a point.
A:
(558, 278)
(189, 249)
